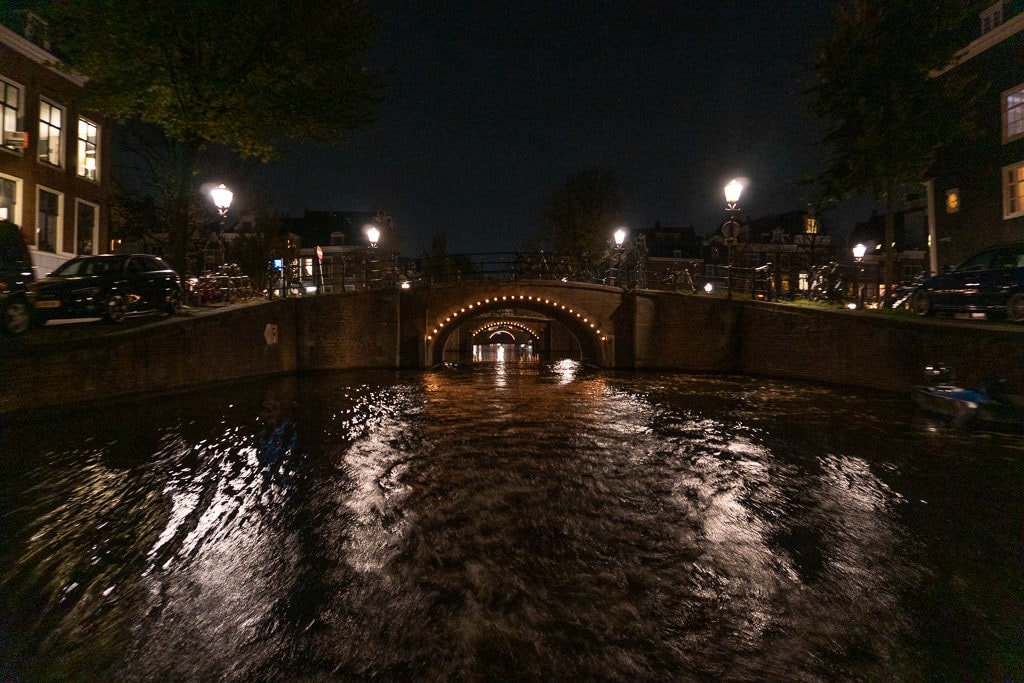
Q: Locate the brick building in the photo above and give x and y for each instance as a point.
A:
(54, 156)
(977, 191)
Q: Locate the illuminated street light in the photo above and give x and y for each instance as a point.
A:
(222, 197)
(731, 228)
(620, 237)
(373, 234)
(858, 255)
(615, 267)
(732, 194)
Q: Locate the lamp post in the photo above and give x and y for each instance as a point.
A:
(222, 197)
(731, 228)
(858, 255)
(620, 240)
(373, 235)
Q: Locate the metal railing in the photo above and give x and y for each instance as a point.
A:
(830, 283)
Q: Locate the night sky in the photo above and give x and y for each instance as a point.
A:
(493, 104)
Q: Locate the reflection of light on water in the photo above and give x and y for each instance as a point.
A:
(216, 569)
(376, 469)
(566, 370)
(774, 562)
(669, 526)
(500, 354)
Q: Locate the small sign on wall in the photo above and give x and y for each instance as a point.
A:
(270, 334)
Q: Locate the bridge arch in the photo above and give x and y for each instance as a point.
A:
(593, 342)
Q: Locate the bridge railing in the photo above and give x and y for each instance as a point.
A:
(504, 267)
(615, 271)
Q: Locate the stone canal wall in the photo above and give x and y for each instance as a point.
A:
(669, 332)
(861, 348)
(876, 350)
(51, 368)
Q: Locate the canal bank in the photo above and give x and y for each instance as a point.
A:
(669, 332)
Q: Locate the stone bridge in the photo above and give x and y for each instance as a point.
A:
(426, 326)
(584, 322)
(419, 328)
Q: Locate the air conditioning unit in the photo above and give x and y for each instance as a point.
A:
(16, 138)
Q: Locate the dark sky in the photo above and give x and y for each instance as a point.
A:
(493, 104)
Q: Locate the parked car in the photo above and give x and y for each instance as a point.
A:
(991, 282)
(15, 280)
(108, 286)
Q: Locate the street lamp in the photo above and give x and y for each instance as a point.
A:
(858, 254)
(620, 237)
(222, 197)
(731, 228)
(615, 276)
(373, 235)
(732, 194)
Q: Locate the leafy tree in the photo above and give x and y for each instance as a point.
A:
(247, 75)
(888, 115)
(582, 212)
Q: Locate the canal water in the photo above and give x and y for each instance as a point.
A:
(510, 523)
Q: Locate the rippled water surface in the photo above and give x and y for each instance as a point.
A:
(510, 523)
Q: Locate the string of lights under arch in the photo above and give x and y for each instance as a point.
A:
(471, 308)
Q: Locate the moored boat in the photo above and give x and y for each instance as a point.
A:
(987, 405)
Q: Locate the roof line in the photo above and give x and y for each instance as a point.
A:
(985, 41)
(37, 54)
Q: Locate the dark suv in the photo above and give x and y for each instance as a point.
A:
(108, 286)
(15, 280)
(990, 281)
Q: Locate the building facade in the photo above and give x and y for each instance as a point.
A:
(54, 168)
(976, 195)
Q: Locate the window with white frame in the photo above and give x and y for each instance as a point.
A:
(48, 221)
(88, 139)
(51, 119)
(1013, 113)
(86, 221)
(1013, 190)
(10, 113)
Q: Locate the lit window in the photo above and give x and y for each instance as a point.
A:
(88, 137)
(10, 106)
(50, 121)
(952, 200)
(1013, 191)
(1013, 113)
(48, 221)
